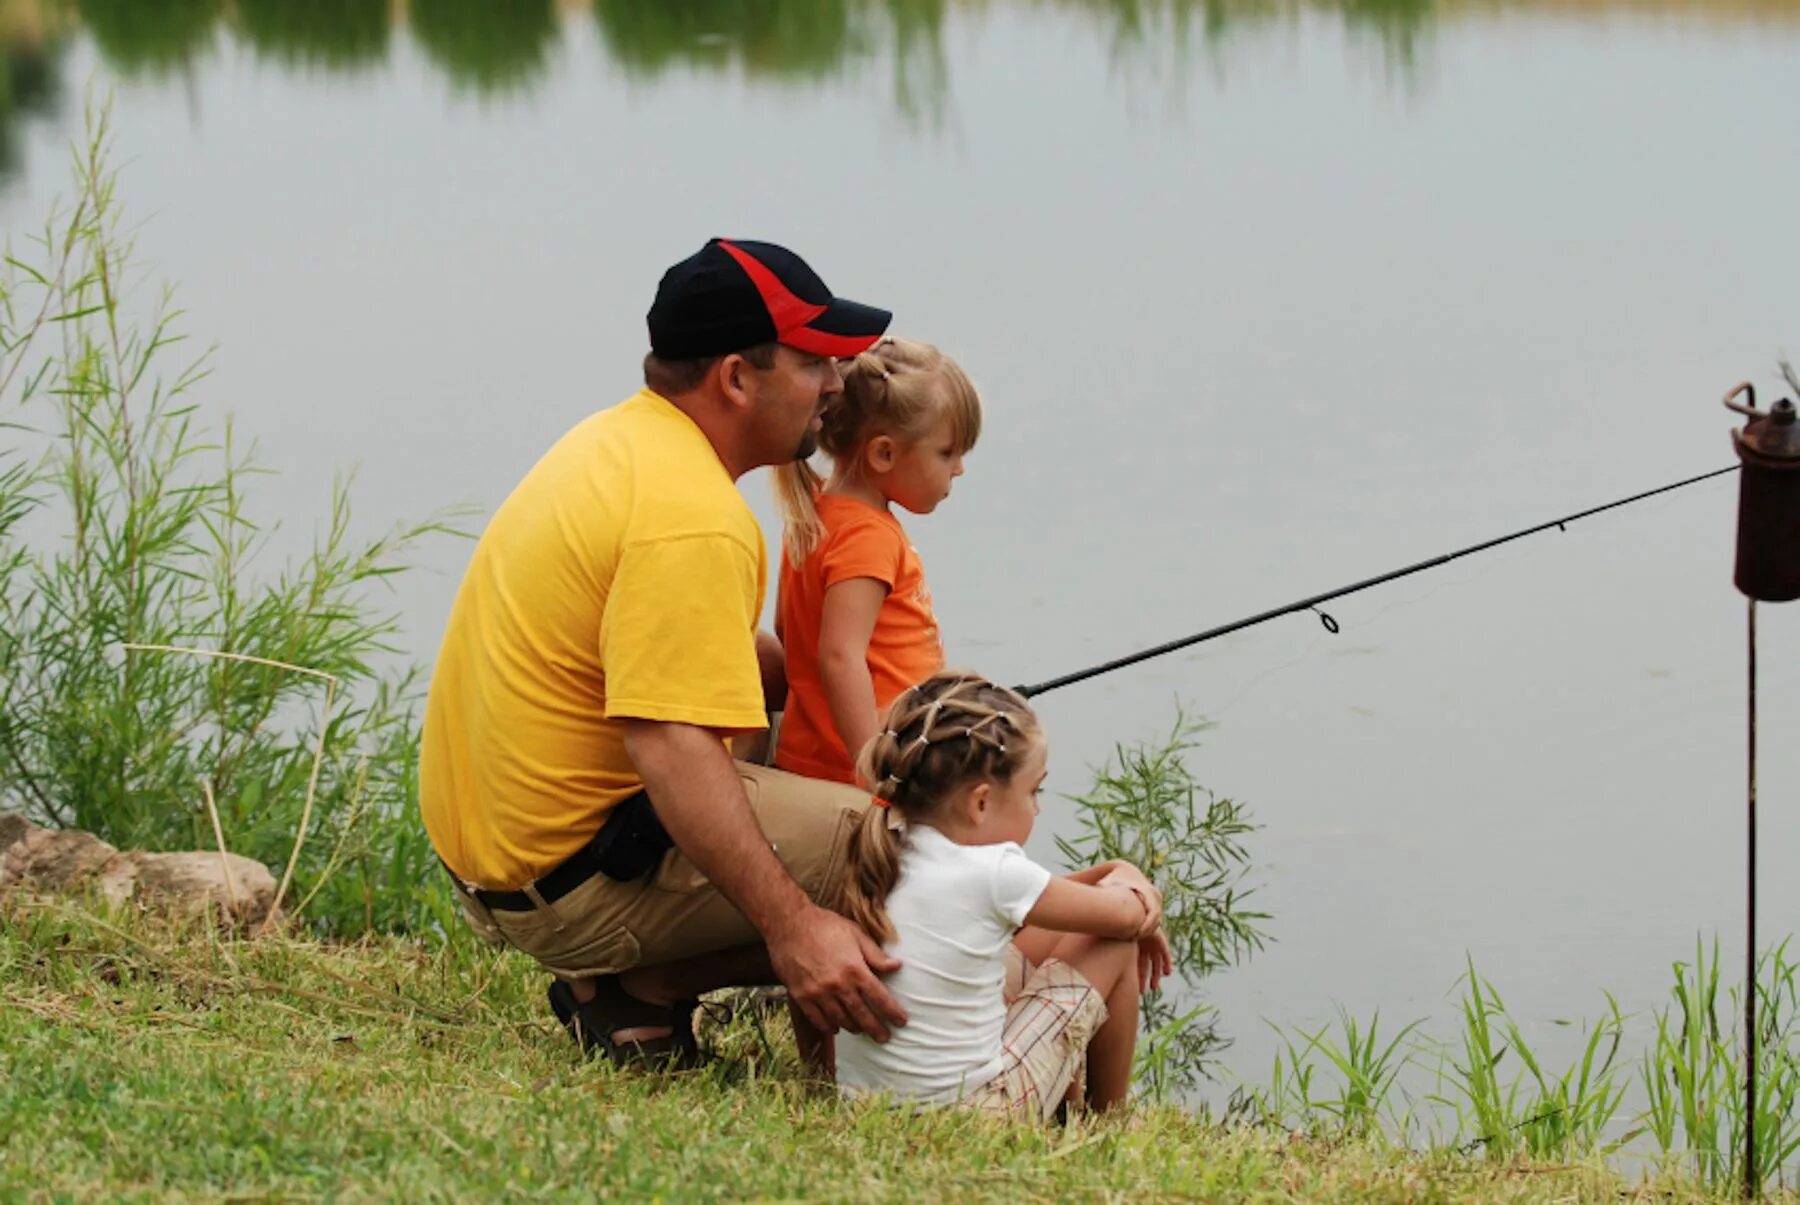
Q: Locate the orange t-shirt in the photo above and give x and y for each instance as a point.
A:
(859, 541)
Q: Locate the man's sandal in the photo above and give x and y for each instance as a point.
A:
(612, 1009)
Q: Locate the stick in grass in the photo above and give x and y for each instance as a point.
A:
(312, 782)
(212, 809)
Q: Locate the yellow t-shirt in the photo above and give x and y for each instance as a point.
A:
(622, 578)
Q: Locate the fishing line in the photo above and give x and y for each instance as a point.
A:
(1315, 603)
(1359, 625)
(1471, 577)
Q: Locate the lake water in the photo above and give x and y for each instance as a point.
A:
(1262, 298)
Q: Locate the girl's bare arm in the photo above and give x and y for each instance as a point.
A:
(1091, 875)
(1114, 910)
(846, 622)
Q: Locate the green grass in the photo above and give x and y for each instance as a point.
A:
(140, 1061)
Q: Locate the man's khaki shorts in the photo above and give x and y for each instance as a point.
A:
(604, 926)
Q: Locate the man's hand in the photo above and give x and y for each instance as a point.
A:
(829, 966)
(824, 960)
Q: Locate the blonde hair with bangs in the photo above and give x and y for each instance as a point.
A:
(900, 388)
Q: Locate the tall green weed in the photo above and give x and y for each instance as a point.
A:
(1147, 807)
(124, 521)
(1693, 1073)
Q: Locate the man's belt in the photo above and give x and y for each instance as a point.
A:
(628, 846)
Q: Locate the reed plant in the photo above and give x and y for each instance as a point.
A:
(1147, 807)
(1523, 1108)
(1569, 1114)
(1483, 1096)
(1358, 1100)
(1502, 1099)
(1499, 1096)
(1693, 1072)
(125, 521)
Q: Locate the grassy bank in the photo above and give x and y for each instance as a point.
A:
(143, 1061)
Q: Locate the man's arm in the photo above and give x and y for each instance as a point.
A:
(828, 964)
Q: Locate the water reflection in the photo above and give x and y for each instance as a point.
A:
(497, 48)
(31, 48)
(785, 42)
(771, 38)
(491, 46)
(340, 35)
(150, 37)
(485, 45)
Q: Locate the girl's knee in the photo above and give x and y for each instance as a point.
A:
(1104, 962)
(1110, 964)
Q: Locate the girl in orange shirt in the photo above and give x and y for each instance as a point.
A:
(854, 614)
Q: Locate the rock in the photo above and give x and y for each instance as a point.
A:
(43, 860)
(241, 885)
(54, 859)
(13, 828)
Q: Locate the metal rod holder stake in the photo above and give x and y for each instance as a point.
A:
(1752, 1183)
(1767, 570)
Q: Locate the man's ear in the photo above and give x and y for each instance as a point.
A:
(880, 453)
(736, 379)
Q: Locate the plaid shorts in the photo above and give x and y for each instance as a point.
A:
(1049, 1024)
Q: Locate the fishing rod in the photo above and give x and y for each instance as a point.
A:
(1313, 603)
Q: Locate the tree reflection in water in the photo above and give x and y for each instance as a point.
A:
(150, 37)
(339, 35)
(488, 45)
(499, 47)
(31, 86)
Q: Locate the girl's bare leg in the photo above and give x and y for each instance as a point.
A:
(1036, 943)
(1111, 966)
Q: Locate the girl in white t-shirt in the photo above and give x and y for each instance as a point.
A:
(1010, 977)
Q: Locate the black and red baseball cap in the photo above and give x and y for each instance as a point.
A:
(734, 293)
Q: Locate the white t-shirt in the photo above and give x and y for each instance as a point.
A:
(954, 909)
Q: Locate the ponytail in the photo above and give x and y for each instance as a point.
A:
(797, 486)
(872, 867)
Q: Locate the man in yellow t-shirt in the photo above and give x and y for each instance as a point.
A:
(574, 774)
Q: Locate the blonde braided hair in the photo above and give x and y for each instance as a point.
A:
(951, 730)
(899, 388)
